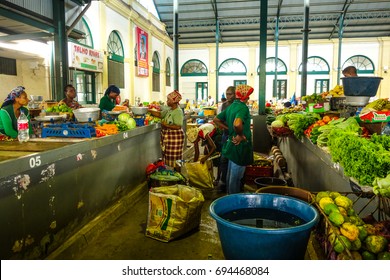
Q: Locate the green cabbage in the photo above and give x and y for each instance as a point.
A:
(123, 117)
(277, 123)
(131, 123)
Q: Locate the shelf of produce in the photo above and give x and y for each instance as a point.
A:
(312, 168)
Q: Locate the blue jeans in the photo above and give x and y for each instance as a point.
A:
(233, 179)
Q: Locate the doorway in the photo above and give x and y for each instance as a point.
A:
(202, 91)
(85, 87)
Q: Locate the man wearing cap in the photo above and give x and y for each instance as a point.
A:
(238, 148)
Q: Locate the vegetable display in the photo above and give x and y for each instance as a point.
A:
(361, 158)
(347, 236)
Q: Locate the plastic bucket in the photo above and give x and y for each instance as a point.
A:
(361, 86)
(243, 242)
(262, 182)
(288, 191)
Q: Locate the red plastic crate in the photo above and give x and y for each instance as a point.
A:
(259, 171)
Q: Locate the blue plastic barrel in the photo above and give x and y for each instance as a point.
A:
(241, 242)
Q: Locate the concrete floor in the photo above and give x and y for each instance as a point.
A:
(119, 234)
(124, 239)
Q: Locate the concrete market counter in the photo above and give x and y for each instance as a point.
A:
(311, 167)
(50, 188)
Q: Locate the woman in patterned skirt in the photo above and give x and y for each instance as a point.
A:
(172, 134)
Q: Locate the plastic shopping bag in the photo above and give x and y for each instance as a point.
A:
(173, 211)
(200, 175)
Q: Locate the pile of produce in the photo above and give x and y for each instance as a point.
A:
(363, 159)
(314, 98)
(337, 91)
(260, 160)
(313, 131)
(63, 108)
(123, 123)
(106, 129)
(294, 109)
(381, 105)
(151, 119)
(294, 122)
(347, 235)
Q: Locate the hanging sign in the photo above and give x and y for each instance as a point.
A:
(142, 52)
(85, 58)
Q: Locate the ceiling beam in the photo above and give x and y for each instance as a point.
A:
(25, 36)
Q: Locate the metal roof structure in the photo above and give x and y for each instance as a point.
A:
(29, 20)
(239, 20)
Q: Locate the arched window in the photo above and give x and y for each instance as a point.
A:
(84, 35)
(84, 28)
(168, 73)
(316, 65)
(156, 72)
(281, 67)
(232, 66)
(362, 63)
(193, 67)
(115, 60)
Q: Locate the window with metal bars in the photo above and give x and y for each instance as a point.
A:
(8, 66)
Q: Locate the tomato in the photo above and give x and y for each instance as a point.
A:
(326, 119)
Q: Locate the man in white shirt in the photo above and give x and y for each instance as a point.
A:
(211, 101)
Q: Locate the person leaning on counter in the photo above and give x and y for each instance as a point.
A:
(10, 111)
(108, 101)
(70, 93)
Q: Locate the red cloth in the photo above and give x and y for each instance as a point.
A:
(175, 96)
(243, 92)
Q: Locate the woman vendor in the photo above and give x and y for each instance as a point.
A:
(10, 111)
(69, 100)
(172, 134)
(108, 101)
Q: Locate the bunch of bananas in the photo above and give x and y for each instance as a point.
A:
(337, 91)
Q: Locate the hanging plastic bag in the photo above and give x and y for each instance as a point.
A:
(173, 211)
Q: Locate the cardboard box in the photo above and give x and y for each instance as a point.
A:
(318, 107)
(374, 117)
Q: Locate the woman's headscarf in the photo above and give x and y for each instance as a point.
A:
(243, 92)
(175, 96)
(112, 88)
(16, 92)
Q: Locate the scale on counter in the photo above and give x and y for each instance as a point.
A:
(35, 102)
(353, 105)
(357, 91)
(35, 105)
(139, 114)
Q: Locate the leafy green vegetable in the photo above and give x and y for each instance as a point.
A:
(382, 186)
(298, 122)
(361, 158)
(123, 117)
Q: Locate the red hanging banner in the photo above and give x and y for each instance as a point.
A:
(142, 52)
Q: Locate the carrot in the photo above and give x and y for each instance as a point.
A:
(108, 129)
